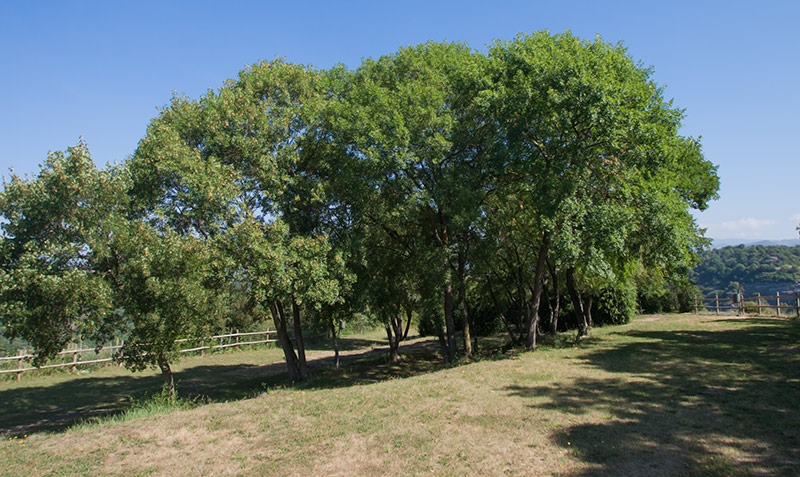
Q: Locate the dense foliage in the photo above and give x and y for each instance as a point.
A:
(538, 187)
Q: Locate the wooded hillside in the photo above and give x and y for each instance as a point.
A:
(757, 268)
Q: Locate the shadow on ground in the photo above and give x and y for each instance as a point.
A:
(701, 403)
(56, 407)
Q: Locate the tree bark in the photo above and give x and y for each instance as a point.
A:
(462, 299)
(394, 331)
(588, 310)
(448, 322)
(335, 336)
(443, 345)
(556, 307)
(538, 282)
(514, 338)
(166, 374)
(298, 338)
(577, 303)
(408, 323)
(468, 318)
(286, 343)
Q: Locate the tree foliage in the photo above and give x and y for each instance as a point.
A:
(543, 185)
(55, 226)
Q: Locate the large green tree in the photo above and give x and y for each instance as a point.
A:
(53, 225)
(162, 294)
(588, 134)
(76, 265)
(417, 137)
(237, 166)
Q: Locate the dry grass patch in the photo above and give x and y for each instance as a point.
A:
(674, 395)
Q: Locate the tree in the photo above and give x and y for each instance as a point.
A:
(54, 226)
(234, 168)
(161, 294)
(416, 137)
(584, 125)
(75, 265)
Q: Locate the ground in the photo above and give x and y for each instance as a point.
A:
(664, 395)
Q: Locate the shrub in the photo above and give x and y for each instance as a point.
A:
(615, 305)
(430, 324)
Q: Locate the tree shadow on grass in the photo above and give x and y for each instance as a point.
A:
(56, 407)
(345, 344)
(690, 402)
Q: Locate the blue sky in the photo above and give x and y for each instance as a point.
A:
(100, 70)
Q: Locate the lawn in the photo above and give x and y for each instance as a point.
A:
(664, 395)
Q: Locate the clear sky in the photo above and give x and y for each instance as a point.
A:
(100, 70)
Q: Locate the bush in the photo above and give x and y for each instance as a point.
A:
(485, 321)
(615, 305)
(673, 295)
(430, 324)
(751, 307)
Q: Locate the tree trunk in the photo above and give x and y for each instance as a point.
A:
(443, 345)
(577, 303)
(468, 320)
(286, 343)
(298, 338)
(408, 323)
(394, 331)
(166, 374)
(511, 334)
(588, 310)
(335, 336)
(448, 321)
(465, 324)
(556, 307)
(462, 300)
(532, 322)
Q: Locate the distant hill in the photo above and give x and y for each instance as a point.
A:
(758, 268)
(719, 243)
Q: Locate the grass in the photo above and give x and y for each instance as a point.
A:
(664, 395)
(55, 401)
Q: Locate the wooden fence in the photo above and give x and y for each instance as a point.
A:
(760, 305)
(230, 340)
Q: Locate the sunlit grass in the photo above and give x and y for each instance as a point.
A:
(665, 395)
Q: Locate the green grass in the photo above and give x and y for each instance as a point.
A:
(56, 400)
(665, 395)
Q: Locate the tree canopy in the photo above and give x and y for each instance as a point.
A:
(438, 183)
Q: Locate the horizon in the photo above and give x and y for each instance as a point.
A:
(732, 242)
(100, 71)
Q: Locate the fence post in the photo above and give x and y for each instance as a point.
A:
(716, 303)
(796, 304)
(237, 340)
(75, 362)
(758, 303)
(777, 303)
(20, 353)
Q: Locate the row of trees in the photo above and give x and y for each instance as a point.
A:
(439, 182)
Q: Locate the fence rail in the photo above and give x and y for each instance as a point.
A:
(22, 356)
(759, 305)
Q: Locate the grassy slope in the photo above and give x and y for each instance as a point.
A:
(665, 395)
